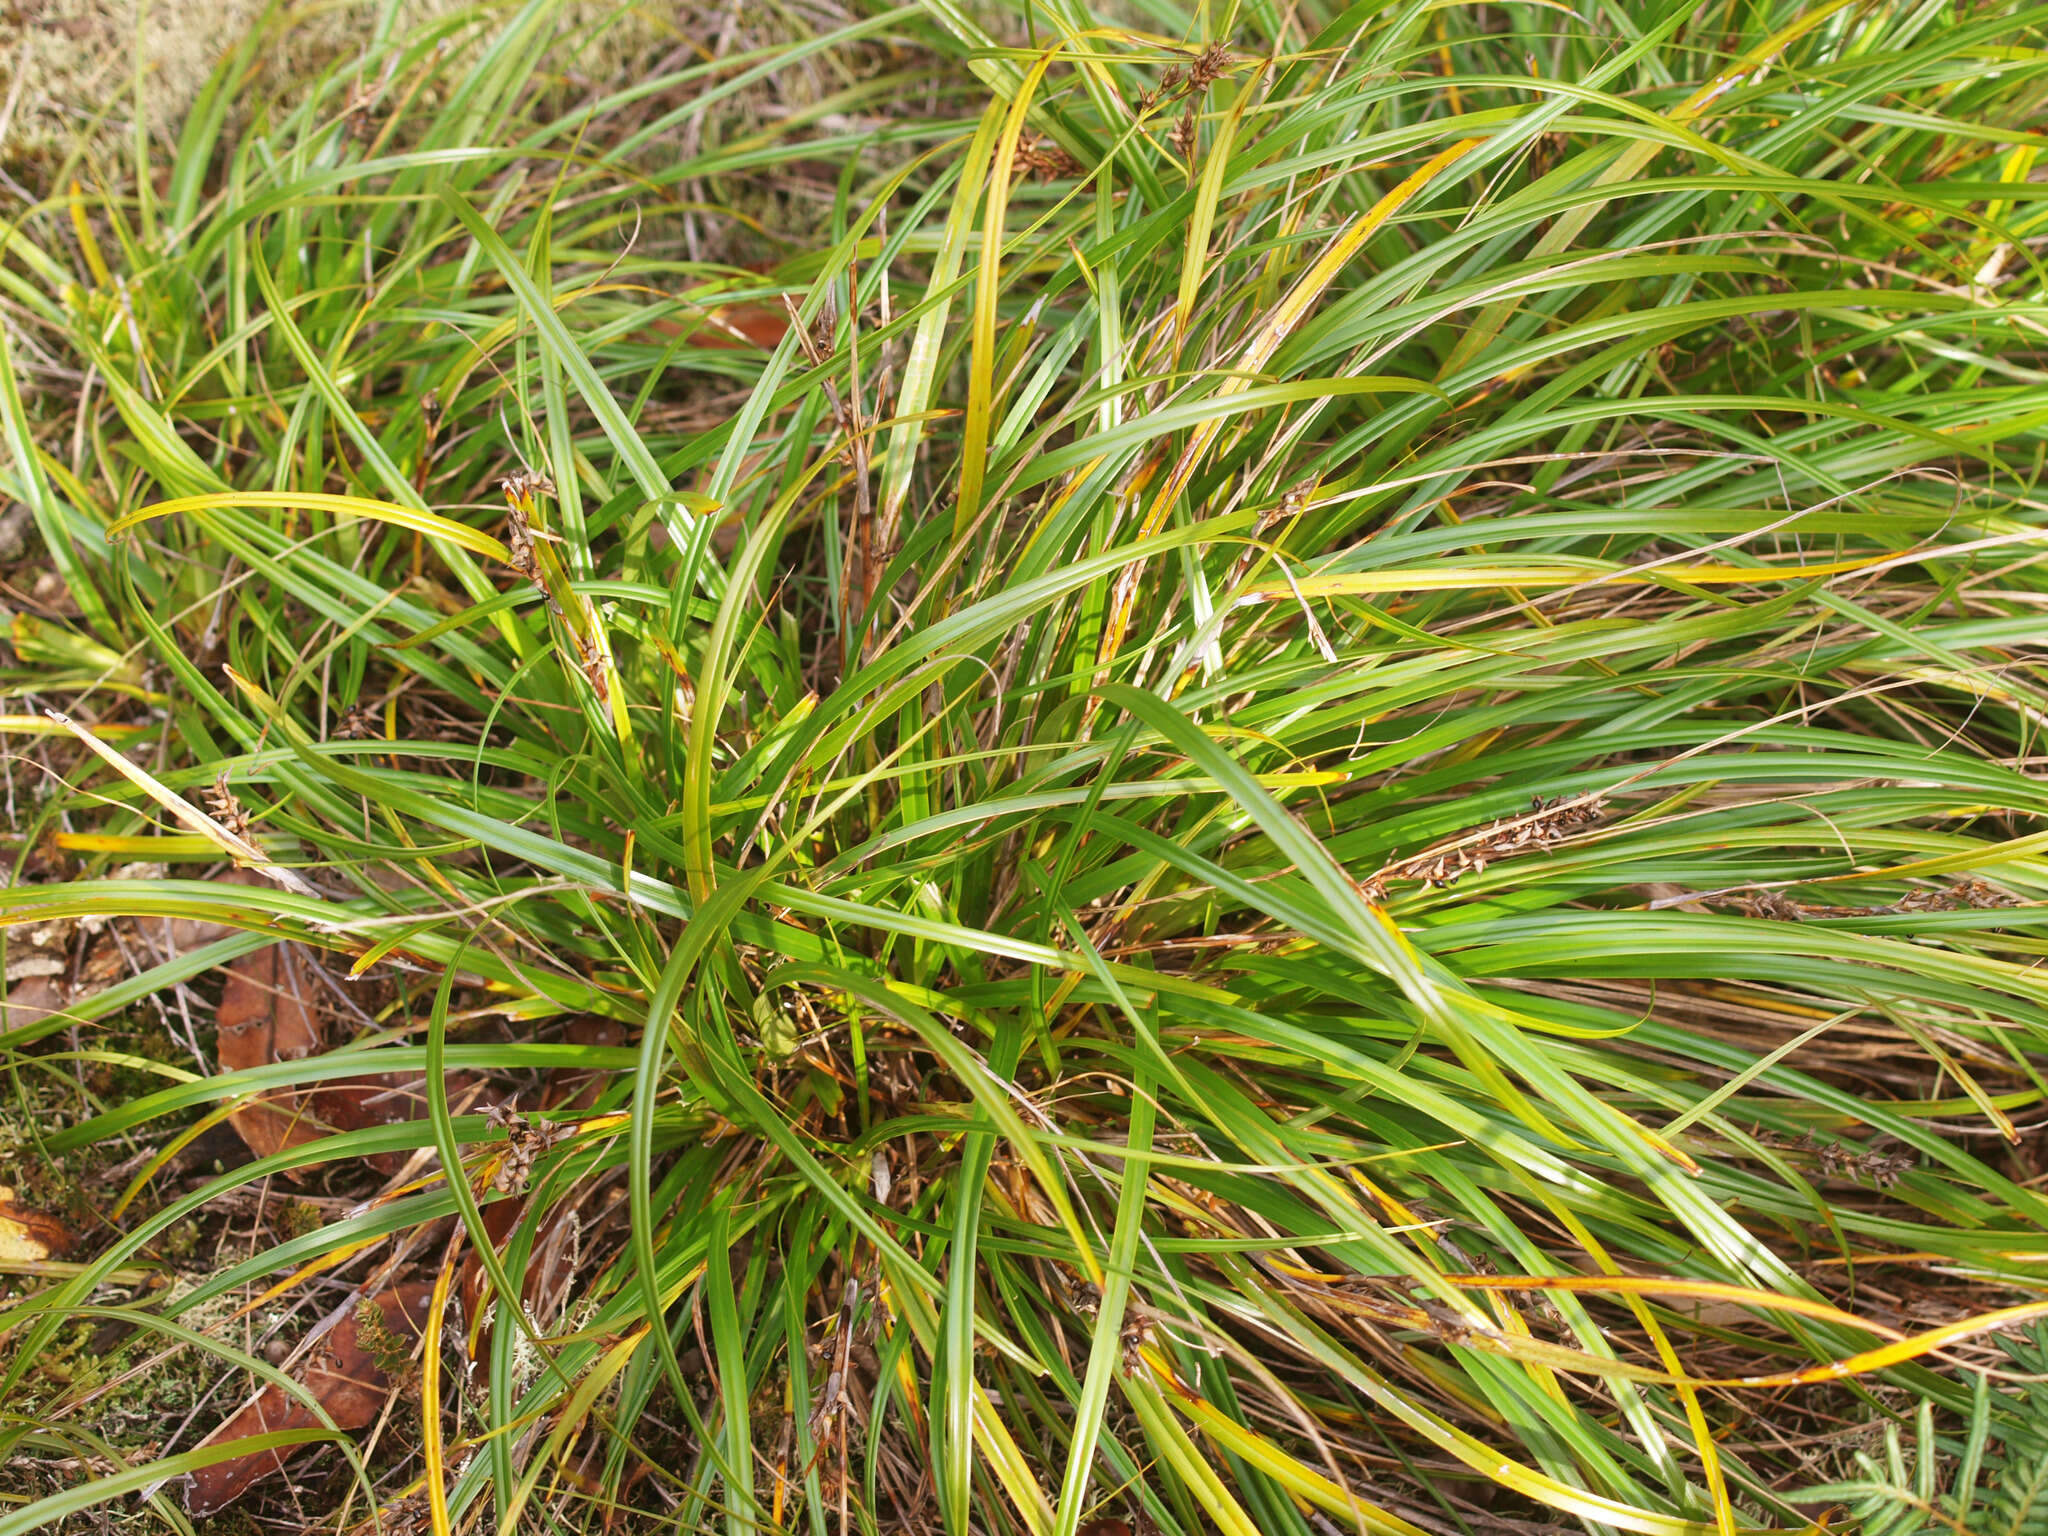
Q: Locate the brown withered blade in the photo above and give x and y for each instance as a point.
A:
(345, 1377)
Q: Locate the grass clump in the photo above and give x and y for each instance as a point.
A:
(1294, 791)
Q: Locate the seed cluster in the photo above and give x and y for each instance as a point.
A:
(225, 808)
(1963, 894)
(528, 1139)
(1039, 157)
(1188, 86)
(1177, 84)
(1846, 1159)
(521, 491)
(1777, 907)
(1547, 824)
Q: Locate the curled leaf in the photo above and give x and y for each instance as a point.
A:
(28, 1236)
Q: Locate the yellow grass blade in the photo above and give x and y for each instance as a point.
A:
(1272, 332)
(430, 1404)
(235, 846)
(40, 725)
(430, 523)
(981, 363)
(1463, 578)
(1012, 1469)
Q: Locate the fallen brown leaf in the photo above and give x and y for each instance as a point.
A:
(268, 1014)
(350, 1375)
(28, 1236)
(731, 328)
(51, 968)
(386, 1098)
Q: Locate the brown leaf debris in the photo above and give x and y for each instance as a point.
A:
(351, 1375)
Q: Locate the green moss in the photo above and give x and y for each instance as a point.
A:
(41, 1093)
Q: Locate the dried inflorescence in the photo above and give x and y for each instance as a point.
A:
(358, 723)
(1040, 157)
(1845, 1159)
(1204, 69)
(1962, 895)
(526, 486)
(590, 659)
(1081, 1294)
(1776, 906)
(1210, 65)
(529, 1140)
(225, 808)
(521, 491)
(1171, 87)
(519, 539)
(1140, 1323)
(1547, 824)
